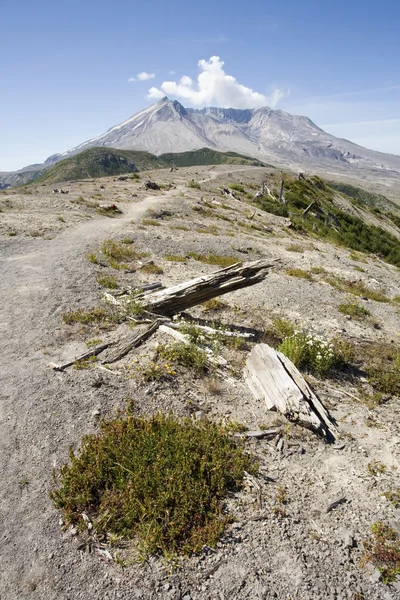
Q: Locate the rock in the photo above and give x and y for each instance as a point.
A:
(396, 584)
(374, 574)
(347, 537)
(96, 413)
(73, 531)
(199, 415)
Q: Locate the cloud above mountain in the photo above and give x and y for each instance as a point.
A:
(143, 76)
(214, 87)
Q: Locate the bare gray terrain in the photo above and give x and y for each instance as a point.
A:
(307, 554)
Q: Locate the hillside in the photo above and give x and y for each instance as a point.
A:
(100, 162)
(103, 162)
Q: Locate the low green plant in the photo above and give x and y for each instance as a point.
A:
(91, 256)
(237, 187)
(382, 365)
(214, 305)
(214, 259)
(180, 227)
(152, 269)
(354, 310)
(300, 273)
(186, 355)
(152, 222)
(193, 184)
(117, 252)
(86, 317)
(175, 257)
(317, 270)
(295, 248)
(393, 496)
(310, 351)
(357, 288)
(382, 549)
(85, 363)
(375, 468)
(107, 281)
(282, 328)
(159, 481)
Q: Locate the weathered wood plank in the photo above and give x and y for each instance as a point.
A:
(272, 378)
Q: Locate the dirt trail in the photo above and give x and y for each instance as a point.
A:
(39, 280)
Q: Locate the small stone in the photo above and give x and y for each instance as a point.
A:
(96, 413)
(347, 538)
(374, 574)
(396, 584)
(73, 531)
(199, 415)
(51, 556)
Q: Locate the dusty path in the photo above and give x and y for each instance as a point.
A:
(39, 413)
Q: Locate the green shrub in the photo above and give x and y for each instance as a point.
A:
(354, 310)
(310, 351)
(187, 355)
(107, 281)
(272, 206)
(382, 549)
(300, 273)
(194, 184)
(214, 259)
(159, 481)
(237, 187)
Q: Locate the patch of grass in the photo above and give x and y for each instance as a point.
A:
(154, 371)
(186, 355)
(354, 310)
(86, 317)
(175, 257)
(295, 248)
(210, 229)
(160, 481)
(274, 207)
(93, 342)
(117, 252)
(375, 468)
(359, 269)
(194, 185)
(237, 187)
(214, 305)
(214, 259)
(383, 368)
(86, 363)
(318, 270)
(358, 256)
(299, 273)
(152, 269)
(382, 549)
(282, 328)
(61, 218)
(357, 288)
(12, 233)
(310, 351)
(180, 227)
(107, 281)
(393, 497)
(151, 222)
(91, 256)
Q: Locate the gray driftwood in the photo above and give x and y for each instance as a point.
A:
(273, 378)
(178, 298)
(131, 341)
(92, 352)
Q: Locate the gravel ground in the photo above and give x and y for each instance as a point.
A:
(307, 553)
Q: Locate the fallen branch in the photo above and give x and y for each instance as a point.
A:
(273, 378)
(177, 298)
(92, 352)
(130, 342)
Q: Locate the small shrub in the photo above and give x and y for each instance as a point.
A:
(237, 187)
(317, 270)
(300, 273)
(117, 252)
(86, 317)
(354, 310)
(375, 468)
(214, 305)
(175, 257)
(393, 497)
(214, 259)
(187, 355)
(159, 481)
(152, 269)
(282, 327)
(194, 184)
(310, 351)
(382, 365)
(382, 549)
(107, 281)
(152, 222)
(295, 248)
(357, 288)
(91, 256)
(12, 233)
(180, 227)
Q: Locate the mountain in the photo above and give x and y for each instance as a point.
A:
(270, 135)
(101, 161)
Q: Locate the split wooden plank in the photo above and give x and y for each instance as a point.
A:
(178, 298)
(273, 378)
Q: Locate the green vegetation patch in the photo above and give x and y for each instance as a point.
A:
(300, 273)
(382, 549)
(310, 351)
(159, 481)
(354, 310)
(357, 288)
(214, 259)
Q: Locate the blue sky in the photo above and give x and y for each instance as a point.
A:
(65, 66)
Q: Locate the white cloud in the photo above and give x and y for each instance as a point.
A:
(143, 76)
(215, 88)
